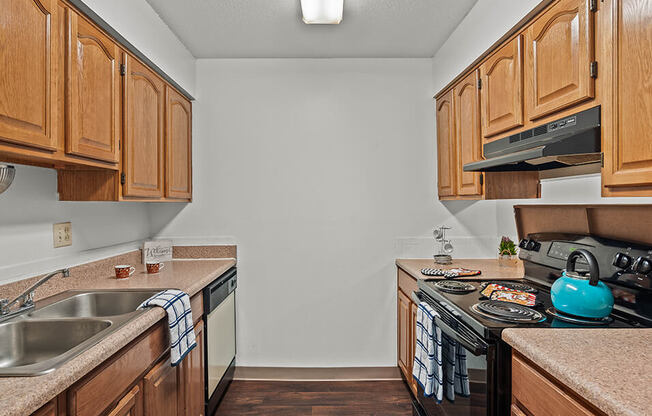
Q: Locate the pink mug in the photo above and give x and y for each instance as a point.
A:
(123, 271)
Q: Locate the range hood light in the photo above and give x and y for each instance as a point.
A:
(322, 12)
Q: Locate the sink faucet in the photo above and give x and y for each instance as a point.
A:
(25, 300)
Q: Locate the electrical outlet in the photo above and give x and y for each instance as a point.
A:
(62, 234)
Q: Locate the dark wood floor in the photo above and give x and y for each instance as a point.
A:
(342, 398)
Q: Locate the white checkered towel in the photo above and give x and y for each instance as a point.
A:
(182, 335)
(439, 361)
(427, 368)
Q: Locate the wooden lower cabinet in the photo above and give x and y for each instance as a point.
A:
(139, 380)
(535, 393)
(131, 404)
(407, 318)
(191, 376)
(160, 387)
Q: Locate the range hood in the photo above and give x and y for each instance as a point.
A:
(569, 141)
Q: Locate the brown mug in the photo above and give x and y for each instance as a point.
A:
(123, 271)
(154, 267)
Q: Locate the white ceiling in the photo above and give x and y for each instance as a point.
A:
(273, 28)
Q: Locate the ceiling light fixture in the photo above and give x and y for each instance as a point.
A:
(322, 12)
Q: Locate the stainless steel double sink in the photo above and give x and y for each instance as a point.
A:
(62, 327)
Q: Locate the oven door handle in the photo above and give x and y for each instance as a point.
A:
(476, 347)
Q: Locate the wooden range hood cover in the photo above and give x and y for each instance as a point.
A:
(631, 223)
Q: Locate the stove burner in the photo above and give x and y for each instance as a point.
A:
(507, 312)
(454, 286)
(578, 320)
(513, 285)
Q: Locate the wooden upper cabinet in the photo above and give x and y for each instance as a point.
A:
(502, 89)
(27, 81)
(628, 145)
(93, 88)
(160, 390)
(143, 157)
(446, 158)
(178, 160)
(467, 133)
(559, 52)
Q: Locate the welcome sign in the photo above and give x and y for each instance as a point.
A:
(158, 250)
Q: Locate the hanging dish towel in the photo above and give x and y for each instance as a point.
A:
(427, 367)
(182, 335)
(456, 375)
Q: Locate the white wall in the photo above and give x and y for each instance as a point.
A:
(143, 28)
(317, 167)
(30, 206)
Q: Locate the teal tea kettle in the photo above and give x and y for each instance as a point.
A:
(579, 295)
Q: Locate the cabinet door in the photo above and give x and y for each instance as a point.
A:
(143, 144)
(502, 89)
(627, 145)
(50, 409)
(27, 80)
(560, 49)
(412, 342)
(404, 334)
(93, 88)
(192, 370)
(130, 405)
(446, 158)
(178, 166)
(467, 133)
(160, 390)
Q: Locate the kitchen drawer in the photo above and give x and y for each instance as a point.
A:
(538, 395)
(406, 283)
(104, 386)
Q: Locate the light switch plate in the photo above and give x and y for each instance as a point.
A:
(62, 234)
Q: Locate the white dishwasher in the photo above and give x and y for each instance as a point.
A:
(219, 321)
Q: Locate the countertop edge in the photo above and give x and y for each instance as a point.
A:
(77, 368)
(591, 392)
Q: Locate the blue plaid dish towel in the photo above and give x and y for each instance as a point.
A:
(439, 361)
(177, 306)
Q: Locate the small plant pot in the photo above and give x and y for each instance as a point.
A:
(507, 260)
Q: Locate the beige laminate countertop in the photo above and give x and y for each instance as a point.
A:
(610, 368)
(491, 268)
(20, 396)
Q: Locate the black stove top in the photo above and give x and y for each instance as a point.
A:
(465, 306)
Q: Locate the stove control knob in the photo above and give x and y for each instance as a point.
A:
(523, 243)
(533, 245)
(622, 261)
(642, 265)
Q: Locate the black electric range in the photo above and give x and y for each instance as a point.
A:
(476, 322)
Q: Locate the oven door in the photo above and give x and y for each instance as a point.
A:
(480, 361)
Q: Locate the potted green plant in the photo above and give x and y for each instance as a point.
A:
(507, 252)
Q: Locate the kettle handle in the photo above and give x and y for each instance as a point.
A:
(594, 270)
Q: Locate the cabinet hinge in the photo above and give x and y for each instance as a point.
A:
(593, 69)
(593, 5)
(123, 179)
(602, 159)
(480, 83)
(123, 69)
(481, 179)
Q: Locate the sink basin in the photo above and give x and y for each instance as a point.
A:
(64, 326)
(26, 343)
(94, 304)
